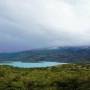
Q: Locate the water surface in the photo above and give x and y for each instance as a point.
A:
(30, 64)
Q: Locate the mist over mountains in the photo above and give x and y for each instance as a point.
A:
(61, 54)
(31, 24)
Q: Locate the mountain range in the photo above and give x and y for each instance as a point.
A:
(60, 54)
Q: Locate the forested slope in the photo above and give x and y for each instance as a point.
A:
(62, 54)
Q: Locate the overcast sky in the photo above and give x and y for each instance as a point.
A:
(29, 24)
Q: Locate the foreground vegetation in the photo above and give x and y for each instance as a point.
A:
(63, 77)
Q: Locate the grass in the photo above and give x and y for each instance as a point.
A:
(61, 77)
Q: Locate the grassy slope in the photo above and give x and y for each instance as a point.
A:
(64, 77)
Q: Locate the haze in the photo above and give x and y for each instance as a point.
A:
(31, 24)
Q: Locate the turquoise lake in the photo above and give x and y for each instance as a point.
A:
(30, 64)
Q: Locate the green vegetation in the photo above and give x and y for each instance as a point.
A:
(63, 77)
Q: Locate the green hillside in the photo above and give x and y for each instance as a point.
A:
(63, 77)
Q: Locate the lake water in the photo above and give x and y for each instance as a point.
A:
(30, 64)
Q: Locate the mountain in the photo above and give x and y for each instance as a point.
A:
(61, 54)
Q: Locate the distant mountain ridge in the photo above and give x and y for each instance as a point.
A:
(60, 54)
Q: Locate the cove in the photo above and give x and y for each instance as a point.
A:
(31, 65)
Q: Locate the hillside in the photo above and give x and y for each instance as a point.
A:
(63, 77)
(62, 54)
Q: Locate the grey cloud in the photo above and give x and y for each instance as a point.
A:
(28, 24)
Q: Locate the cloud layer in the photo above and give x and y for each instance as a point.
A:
(29, 24)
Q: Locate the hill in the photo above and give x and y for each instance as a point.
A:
(63, 77)
(61, 54)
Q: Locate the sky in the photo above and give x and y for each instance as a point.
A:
(31, 24)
